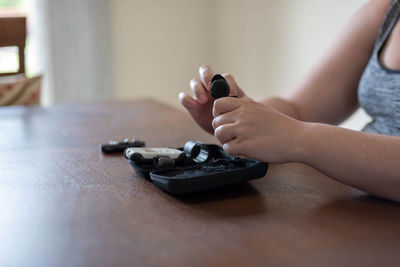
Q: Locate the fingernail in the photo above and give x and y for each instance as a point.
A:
(203, 99)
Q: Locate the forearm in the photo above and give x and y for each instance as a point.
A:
(369, 162)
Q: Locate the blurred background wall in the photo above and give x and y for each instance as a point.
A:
(74, 49)
(267, 45)
(95, 50)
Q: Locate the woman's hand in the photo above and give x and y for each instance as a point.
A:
(252, 130)
(200, 105)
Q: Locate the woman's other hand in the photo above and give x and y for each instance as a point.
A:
(200, 103)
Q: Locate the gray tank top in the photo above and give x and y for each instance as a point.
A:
(379, 87)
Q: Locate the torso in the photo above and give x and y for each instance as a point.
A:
(379, 87)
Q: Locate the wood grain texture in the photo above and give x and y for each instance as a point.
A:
(63, 203)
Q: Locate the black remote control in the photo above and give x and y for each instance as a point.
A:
(120, 146)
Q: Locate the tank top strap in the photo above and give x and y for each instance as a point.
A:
(392, 16)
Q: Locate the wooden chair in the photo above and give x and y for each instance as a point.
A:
(13, 33)
(20, 90)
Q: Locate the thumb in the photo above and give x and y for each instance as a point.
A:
(235, 89)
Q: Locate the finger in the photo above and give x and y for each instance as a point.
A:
(199, 91)
(206, 74)
(224, 105)
(187, 101)
(235, 89)
(223, 119)
(226, 132)
(196, 110)
(235, 148)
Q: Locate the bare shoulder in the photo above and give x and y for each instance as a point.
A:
(382, 5)
(377, 8)
(365, 24)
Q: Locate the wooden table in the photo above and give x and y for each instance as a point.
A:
(63, 203)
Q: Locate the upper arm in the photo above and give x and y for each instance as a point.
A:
(328, 93)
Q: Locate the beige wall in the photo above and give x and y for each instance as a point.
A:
(268, 45)
(158, 46)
